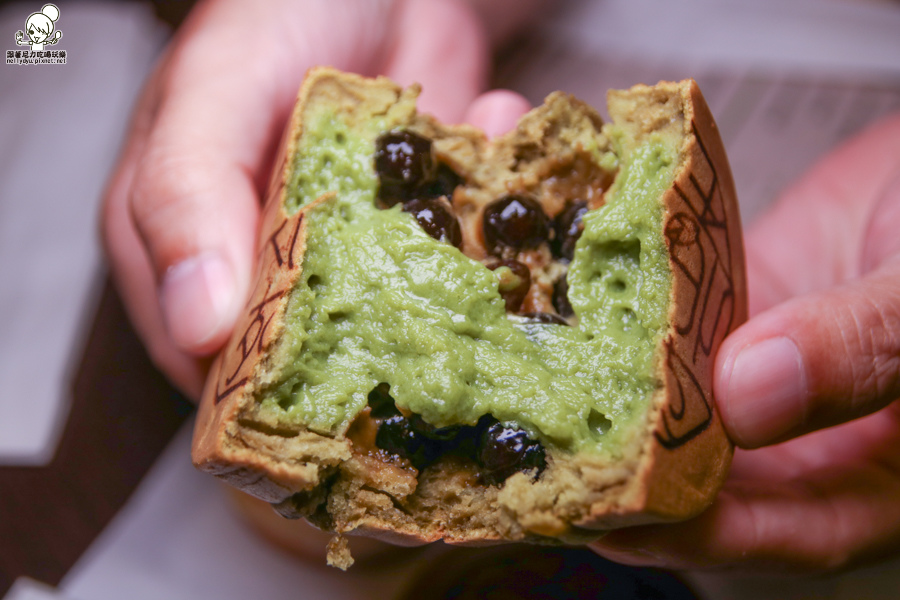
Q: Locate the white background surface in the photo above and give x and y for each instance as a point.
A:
(786, 79)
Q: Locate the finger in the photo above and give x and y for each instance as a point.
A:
(863, 440)
(497, 111)
(815, 236)
(197, 219)
(812, 362)
(194, 199)
(128, 262)
(135, 283)
(442, 45)
(835, 517)
(826, 500)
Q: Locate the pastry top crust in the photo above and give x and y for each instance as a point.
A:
(670, 470)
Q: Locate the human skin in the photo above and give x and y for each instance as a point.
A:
(821, 350)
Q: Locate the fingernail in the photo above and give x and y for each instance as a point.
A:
(197, 296)
(766, 393)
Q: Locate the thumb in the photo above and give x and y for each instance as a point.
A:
(830, 351)
(194, 204)
(813, 362)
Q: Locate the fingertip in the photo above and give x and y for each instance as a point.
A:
(197, 224)
(763, 391)
(200, 302)
(497, 111)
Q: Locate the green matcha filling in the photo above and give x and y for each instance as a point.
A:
(382, 301)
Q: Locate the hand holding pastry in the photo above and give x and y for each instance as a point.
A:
(807, 387)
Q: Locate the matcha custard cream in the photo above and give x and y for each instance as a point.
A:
(483, 341)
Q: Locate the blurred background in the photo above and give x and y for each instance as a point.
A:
(97, 495)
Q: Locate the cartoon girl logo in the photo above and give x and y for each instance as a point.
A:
(40, 27)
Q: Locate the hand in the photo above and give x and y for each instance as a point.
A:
(181, 209)
(807, 387)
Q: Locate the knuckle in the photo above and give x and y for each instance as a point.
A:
(169, 201)
(163, 183)
(871, 345)
(166, 206)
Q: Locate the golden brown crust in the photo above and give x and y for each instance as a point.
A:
(669, 471)
(691, 453)
(300, 538)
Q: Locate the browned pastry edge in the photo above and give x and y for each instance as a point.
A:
(671, 471)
